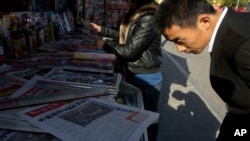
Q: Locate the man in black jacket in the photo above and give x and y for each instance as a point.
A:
(194, 24)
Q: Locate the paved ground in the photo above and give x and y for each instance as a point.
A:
(189, 108)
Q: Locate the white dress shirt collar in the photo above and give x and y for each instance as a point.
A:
(211, 42)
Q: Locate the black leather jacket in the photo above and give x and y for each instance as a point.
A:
(141, 52)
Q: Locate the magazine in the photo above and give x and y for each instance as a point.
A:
(51, 56)
(72, 42)
(85, 79)
(90, 65)
(67, 22)
(95, 56)
(90, 119)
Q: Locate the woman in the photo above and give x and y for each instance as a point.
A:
(138, 49)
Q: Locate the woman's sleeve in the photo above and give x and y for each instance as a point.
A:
(109, 32)
(138, 42)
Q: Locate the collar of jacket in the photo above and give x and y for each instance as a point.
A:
(123, 29)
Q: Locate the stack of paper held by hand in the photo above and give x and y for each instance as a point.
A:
(91, 120)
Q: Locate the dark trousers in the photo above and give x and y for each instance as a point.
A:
(235, 128)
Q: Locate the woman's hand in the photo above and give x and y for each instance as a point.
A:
(95, 27)
(99, 43)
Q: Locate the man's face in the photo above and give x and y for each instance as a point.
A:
(188, 40)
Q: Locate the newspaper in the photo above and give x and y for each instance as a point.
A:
(31, 94)
(10, 135)
(8, 86)
(13, 67)
(25, 75)
(10, 121)
(90, 119)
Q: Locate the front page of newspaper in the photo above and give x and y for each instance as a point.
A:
(91, 120)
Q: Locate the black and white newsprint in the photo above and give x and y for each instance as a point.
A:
(90, 120)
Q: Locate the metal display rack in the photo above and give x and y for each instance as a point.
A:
(132, 97)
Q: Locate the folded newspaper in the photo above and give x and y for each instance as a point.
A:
(10, 135)
(90, 120)
(30, 94)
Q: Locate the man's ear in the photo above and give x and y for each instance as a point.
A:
(204, 21)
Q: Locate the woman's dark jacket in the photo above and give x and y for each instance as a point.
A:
(139, 43)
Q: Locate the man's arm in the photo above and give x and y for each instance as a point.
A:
(242, 61)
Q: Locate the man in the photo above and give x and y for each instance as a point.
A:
(193, 25)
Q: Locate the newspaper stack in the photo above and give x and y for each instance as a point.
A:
(91, 120)
(60, 118)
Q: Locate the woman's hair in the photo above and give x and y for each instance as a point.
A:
(135, 5)
(183, 13)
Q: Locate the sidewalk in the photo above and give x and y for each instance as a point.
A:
(189, 108)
